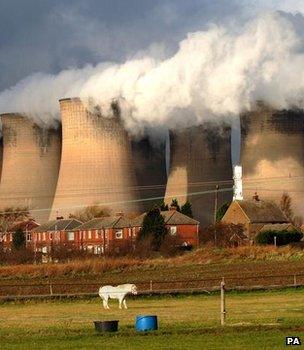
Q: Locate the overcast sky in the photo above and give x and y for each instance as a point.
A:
(50, 35)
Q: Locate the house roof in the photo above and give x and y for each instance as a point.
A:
(172, 217)
(259, 211)
(278, 227)
(58, 225)
(106, 222)
(27, 225)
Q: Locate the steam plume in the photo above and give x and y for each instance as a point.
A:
(215, 74)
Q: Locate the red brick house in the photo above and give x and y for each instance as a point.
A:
(254, 214)
(107, 234)
(27, 226)
(183, 227)
(52, 233)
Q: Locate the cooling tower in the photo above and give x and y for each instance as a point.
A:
(150, 170)
(96, 163)
(200, 159)
(272, 155)
(31, 158)
(1, 155)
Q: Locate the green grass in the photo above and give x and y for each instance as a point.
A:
(258, 320)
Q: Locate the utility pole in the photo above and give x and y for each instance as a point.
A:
(215, 212)
(215, 203)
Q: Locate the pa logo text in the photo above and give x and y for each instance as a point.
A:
(292, 341)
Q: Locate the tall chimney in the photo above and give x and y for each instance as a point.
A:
(238, 186)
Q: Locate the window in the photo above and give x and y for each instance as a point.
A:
(51, 236)
(118, 234)
(89, 234)
(28, 236)
(43, 236)
(70, 236)
(39, 236)
(97, 249)
(173, 230)
(44, 250)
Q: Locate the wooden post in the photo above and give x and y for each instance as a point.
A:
(294, 280)
(151, 286)
(275, 241)
(51, 288)
(223, 306)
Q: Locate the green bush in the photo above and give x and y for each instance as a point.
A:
(283, 237)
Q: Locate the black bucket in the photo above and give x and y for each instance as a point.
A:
(106, 326)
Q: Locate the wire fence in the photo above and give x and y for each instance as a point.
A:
(56, 288)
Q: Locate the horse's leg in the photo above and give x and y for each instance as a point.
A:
(120, 302)
(104, 303)
(107, 300)
(125, 303)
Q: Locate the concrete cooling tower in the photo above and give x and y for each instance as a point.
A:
(272, 155)
(150, 170)
(200, 160)
(96, 163)
(1, 155)
(31, 158)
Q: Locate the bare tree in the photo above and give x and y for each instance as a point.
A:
(90, 212)
(10, 216)
(285, 206)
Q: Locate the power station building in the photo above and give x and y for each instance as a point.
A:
(272, 155)
(200, 160)
(31, 158)
(96, 162)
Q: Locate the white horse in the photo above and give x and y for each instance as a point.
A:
(119, 292)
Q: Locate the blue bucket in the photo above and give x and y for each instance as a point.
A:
(146, 323)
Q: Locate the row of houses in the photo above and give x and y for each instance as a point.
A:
(100, 235)
(114, 233)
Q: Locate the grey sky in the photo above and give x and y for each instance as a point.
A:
(51, 35)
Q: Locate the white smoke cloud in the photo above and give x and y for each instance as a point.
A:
(215, 74)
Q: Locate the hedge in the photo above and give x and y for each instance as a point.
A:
(283, 237)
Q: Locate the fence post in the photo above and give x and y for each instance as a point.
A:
(151, 286)
(51, 289)
(295, 280)
(223, 306)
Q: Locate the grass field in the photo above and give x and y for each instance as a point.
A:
(257, 320)
(254, 263)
